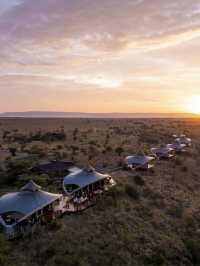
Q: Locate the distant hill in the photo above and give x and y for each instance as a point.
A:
(41, 114)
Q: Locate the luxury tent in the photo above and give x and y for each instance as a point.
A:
(183, 139)
(84, 186)
(177, 146)
(139, 161)
(54, 167)
(21, 211)
(163, 152)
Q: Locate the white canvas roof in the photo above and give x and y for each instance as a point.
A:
(176, 146)
(138, 159)
(28, 199)
(163, 149)
(183, 139)
(84, 177)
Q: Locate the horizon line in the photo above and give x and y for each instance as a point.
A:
(92, 112)
(60, 114)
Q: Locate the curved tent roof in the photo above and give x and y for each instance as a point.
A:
(84, 177)
(176, 146)
(184, 140)
(53, 166)
(138, 159)
(30, 186)
(28, 199)
(163, 149)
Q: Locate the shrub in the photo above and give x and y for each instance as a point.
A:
(35, 149)
(119, 151)
(176, 211)
(111, 198)
(92, 142)
(139, 180)
(108, 149)
(74, 149)
(178, 161)
(13, 151)
(4, 251)
(14, 169)
(59, 147)
(43, 180)
(193, 246)
(75, 133)
(54, 225)
(132, 192)
(184, 169)
(155, 198)
(93, 151)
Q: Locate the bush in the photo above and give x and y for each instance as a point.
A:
(43, 180)
(155, 198)
(193, 246)
(54, 225)
(119, 151)
(13, 151)
(178, 161)
(59, 147)
(14, 169)
(184, 169)
(139, 180)
(132, 192)
(111, 198)
(176, 211)
(108, 149)
(4, 251)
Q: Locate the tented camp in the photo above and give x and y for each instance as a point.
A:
(183, 139)
(84, 186)
(21, 212)
(59, 168)
(163, 152)
(177, 147)
(139, 161)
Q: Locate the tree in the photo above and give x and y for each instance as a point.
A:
(75, 133)
(13, 151)
(119, 151)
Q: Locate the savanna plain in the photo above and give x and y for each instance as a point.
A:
(148, 218)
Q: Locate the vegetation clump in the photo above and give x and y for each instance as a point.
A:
(132, 191)
(147, 219)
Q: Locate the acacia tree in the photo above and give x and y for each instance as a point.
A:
(13, 151)
(119, 151)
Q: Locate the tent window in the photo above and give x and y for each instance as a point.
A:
(70, 188)
(1, 228)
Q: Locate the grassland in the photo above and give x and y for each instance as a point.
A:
(149, 218)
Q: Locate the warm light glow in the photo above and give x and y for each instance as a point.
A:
(72, 56)
(194, 104)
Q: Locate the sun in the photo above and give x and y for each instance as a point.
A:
(194, 105)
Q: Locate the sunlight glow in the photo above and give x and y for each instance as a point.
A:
(194, 104)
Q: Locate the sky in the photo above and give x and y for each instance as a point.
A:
(100, 56)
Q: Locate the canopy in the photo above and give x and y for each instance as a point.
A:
(84, 177)
(30, 186)
(162, 150)
(184, 140)
(176, 146)
(28, 199)
(138, 159)
(53, 166)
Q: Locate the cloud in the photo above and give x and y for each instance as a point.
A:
(6, 5)
(103, 25)
(107, 45)
(99, 81)
(163, 41)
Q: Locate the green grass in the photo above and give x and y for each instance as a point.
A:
(151, 218)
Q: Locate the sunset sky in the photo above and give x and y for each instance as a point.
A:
(100, 56)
